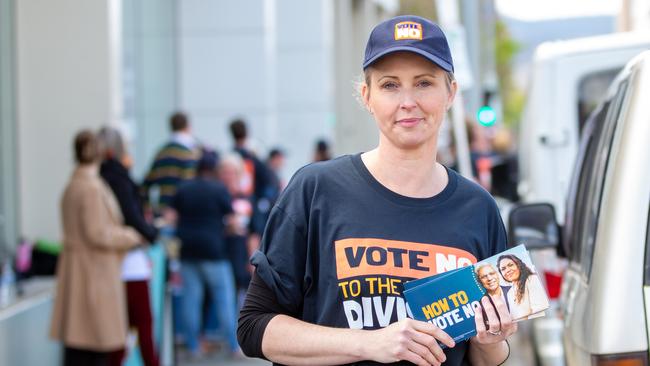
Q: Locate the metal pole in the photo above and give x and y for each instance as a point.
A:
(448, 17)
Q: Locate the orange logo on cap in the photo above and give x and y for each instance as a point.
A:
(408, 30)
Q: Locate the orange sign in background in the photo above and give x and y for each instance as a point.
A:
(371, 256)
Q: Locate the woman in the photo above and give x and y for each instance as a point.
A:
(89, 314)
(136, 267)
(527, 295)
(346, 233)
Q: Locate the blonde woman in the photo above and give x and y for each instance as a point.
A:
(347, 233)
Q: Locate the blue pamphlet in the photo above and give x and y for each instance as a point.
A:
(450, 299)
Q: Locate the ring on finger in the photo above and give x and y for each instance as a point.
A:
(497, 333)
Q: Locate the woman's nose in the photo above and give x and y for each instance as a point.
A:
(408, 100)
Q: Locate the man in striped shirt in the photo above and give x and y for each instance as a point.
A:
(174, 163)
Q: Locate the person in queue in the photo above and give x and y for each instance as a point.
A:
(136, 266)
(89, 315)
(347, 233)
(204, 207)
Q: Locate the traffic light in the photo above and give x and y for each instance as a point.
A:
(486, 115)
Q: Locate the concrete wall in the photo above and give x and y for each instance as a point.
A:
(66, 80)
(148, 76)
(355, 129)
(8, 199)
(261, 61)
(287, 67)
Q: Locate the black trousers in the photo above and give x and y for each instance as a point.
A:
(82, 357)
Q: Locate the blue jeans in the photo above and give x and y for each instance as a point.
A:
(217, 277)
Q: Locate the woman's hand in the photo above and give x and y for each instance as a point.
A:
(489, 346)
(408, 340)
(499, 324)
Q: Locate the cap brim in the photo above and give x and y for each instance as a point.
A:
(436, 60)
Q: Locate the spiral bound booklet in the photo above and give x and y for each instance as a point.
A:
(450, 299)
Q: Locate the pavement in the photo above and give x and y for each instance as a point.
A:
(221, 359)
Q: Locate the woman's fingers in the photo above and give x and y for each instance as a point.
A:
(508, 327)
(478, 320)
(494, 325)
(412, 341)
(431, 345)
(435, 332)
(502, 309)
(425, 353)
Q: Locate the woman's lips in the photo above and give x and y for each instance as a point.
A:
(409, 122)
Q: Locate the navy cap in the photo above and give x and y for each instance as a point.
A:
(409, 33)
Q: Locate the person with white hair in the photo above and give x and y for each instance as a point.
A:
(136, 267)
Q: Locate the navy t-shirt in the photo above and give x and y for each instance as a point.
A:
(338, 245)
(201, 205)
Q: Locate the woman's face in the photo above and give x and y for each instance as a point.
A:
(509, 270)
(408, 97)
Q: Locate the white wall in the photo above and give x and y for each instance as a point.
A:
(66, 63)
(267, 61)
(8, 199)
(355, 129)
(149, 76)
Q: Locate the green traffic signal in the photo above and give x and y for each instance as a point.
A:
(486, 115)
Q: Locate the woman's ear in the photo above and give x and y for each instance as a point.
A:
(452, 94)
(365, 96)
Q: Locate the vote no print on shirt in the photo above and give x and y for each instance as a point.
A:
(371, 273)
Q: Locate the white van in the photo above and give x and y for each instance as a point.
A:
(605, 299)
(568, 79)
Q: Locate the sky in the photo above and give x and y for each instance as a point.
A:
(534, 10)
(531, 22)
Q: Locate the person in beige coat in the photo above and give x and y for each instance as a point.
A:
(89, 315)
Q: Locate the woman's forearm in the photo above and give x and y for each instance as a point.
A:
(488, 354)
(294, 342)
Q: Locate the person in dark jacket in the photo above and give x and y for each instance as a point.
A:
(136, 268)
(254, 184)
(203, 207)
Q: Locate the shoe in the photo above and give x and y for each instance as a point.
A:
(210, 347)
(237, 354)
(187, 355)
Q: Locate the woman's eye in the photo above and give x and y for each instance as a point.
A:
(389, 85)
(423, 83)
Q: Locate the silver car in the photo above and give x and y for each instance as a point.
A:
(605, 297)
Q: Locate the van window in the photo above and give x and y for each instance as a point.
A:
(591, 181)
(575, 220)
(591, 90)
